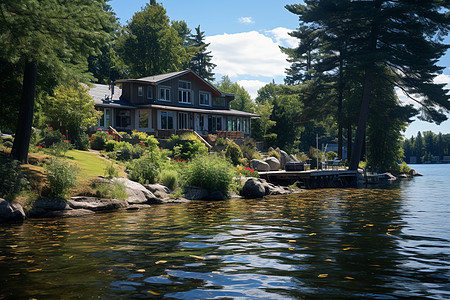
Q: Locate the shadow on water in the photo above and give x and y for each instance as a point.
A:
(324, 244)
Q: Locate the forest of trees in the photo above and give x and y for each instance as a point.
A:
(350, 59)
(427, 147)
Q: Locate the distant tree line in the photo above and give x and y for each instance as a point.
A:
(427, 147)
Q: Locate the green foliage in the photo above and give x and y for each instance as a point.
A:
(187, 149)
(234, 153)
(110, 145)
(146, 168)
(330, 155)
(99, 139)
(201, 61)
(209, 172)
(221, 141)
(12, 180)
(246, 172)
(404, 168)
(169, 178)
(111, 171)
(71, 108)
(273, 153)
(49, 136)
(242, 100)
(62, 176)
(249, 150)
(82, 141)
(114, 190)
(149, 45)
(60, 149)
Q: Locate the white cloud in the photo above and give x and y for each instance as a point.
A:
(250, 54)
(252, 86)
(282, 37)
(246, 20)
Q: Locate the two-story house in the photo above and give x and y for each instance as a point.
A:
(169, 103)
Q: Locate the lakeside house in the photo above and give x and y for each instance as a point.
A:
(169, 104)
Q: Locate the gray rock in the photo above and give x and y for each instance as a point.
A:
(253, 188)
(260, 165)
(96, 204)
(137, 192)
(285, 158)
(51, 204)
(273, 162)
(11, 212)
(195, 193)
(158, 190)
(216, 196)
(66, 213)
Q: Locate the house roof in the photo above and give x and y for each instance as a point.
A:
(157, 79)
(228, 112)
(102, 93)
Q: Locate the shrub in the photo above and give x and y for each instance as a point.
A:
(234, 153)
(331, 155)
(221, 141)
(187, 149)
(249, 150)
(209, 172)
(151, 142)
(404, 168)
(273, 153)
(98, 139)
(50, 137)
(110, 145)
(146, 168)
(60, 148)
(111, 171)
(82, 141)
(139, 136)
(169, 178)
(114, 190)
(62, 176)
(12, 180)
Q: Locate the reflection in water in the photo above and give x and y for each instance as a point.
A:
(318, 244)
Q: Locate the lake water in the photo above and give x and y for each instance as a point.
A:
(320, 244)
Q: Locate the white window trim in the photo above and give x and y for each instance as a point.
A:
(189, 90)
(165, 93)
(209, 98)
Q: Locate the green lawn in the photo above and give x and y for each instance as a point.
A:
(90, 164)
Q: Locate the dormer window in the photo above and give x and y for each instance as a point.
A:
(140, 91)
(164, 93)
(185, 94)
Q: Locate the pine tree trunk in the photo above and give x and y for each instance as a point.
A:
(349, 141)
(25, 121)
(340, 97)
(362, 122)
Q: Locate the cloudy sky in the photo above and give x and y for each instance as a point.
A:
(244, 38)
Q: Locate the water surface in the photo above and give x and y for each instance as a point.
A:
(324, 244)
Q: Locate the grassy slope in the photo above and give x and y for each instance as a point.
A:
(91, 165)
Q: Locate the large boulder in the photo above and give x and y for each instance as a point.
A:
(253, 188)
(273, 162)
(285, 158)
(158, 190)
(11, 212)
(96, 204)
(44, 207)
(195, 193)
(260, 165)
(138, 194)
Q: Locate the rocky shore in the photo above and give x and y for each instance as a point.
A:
(140, 197)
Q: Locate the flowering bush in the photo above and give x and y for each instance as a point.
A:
(246, 172)
(99, 139)
(50, 137)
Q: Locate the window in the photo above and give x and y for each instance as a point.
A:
(204, 98)
(143, 118)
(184, 92)
(149, 92)
(183, 121)
(220, 101)
(166, 120)
(164, 93)
(140, 91)
(123, 118)
(105, 120)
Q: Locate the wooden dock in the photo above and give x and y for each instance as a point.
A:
(312, 179)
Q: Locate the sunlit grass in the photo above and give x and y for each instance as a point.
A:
(90, 165)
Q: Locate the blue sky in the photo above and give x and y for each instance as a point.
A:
(244, 37)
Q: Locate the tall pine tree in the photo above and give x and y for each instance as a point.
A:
(201, 61)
